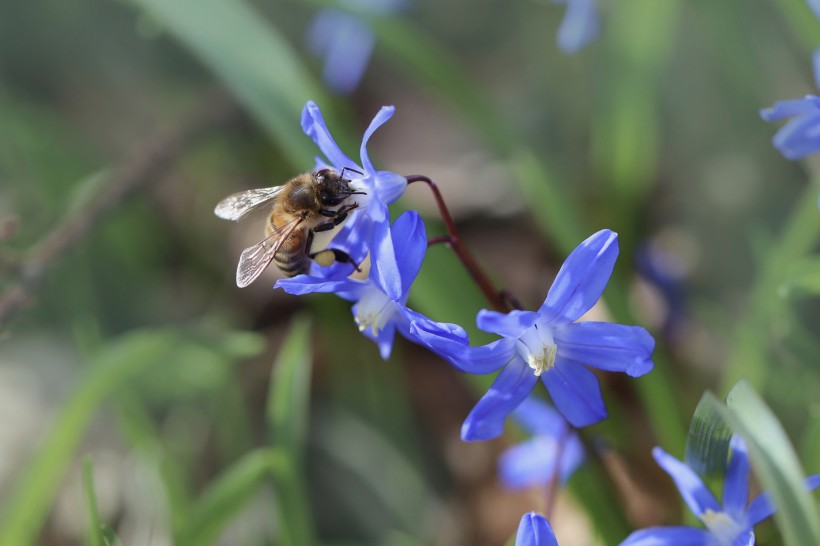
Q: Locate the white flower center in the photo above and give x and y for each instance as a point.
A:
(358, 184)
(722, 526)
(537, 347)
(374, 310)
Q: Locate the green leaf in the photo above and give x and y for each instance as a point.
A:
(287, 415)
(225, 497)
(110, 370)
(289, 391)
(707, 444)
(803, 277)
(95, 538)
(776, 466)
(110, 537)
(258, 65)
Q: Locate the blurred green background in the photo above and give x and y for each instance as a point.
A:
(137, 351)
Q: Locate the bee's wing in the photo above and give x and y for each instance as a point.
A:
(239, 204)
(256, 258)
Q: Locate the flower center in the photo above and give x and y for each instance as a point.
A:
(537, 347)
(358, 185)
(374, 310)
(722, 526)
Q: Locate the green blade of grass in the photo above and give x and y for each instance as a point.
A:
(774, 460)
(707, 443)
(287, 416)
(116, 364)
(251, 58)
(110, 537)
(225, 497)
(94, 536)
(776, 465)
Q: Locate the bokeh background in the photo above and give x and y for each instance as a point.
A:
(122, 123)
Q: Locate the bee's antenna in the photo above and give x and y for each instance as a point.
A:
(342, 174)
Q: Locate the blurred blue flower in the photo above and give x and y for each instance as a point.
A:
(580, 25)
(533, 462)
(346, 42)
(801, 135)
(549, 344)
(815, 6)
(370, 221)
(727, 525)
(380, 308)
(535, 530)
(665, 270)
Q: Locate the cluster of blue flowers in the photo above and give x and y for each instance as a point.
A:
(549, 344)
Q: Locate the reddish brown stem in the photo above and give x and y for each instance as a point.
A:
(494, 297)
(442, 239)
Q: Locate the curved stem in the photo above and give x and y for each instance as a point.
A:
(496, 298)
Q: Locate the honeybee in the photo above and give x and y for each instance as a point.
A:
(308, 203)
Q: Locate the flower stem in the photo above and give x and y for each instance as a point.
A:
(555, 479)
(499, 300)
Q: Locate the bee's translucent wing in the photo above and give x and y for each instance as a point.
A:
(256, 258)
(239, 204)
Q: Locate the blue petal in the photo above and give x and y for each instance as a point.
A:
(736, 482)
(532, 463)
(747, 538)
(384, 337)
(410, 235)
(788, 108)
(695, 494)
(528, 464)
(350, 45)
(762, 506)
(389, 186)
(381, 117)
(579, 27)
(384, 266)
(538, 417)
(411, 321)
(486, 420)
(458, 352)
(512, 324)
(582, 278)
(669, 536)
(610, 347)
(815, 6)
(306, 284)
(799, 137)
(815, 57)
(313, 124)
(535, 530)
(575, 392)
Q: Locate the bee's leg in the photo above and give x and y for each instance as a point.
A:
(338, 216)
(329, 256)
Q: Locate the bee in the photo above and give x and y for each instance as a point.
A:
(308, 203)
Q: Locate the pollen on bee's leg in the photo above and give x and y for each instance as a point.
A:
(324, 258)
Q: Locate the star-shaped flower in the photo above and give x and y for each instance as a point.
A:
(580, 25)
(359, 233)
(346, 42)
(554, 442)
(800, 136)
(535, 530)
(381, 300)
(728, 525)
(549, 344)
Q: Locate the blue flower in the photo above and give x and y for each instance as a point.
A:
(815, 6)
(580, 25)
(535, 530)
(361, 230)
(727, 525)
(381, 300)
(346, 42)
(801, 135)
(533, 462)
(550, 344)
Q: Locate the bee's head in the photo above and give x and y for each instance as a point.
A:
(332, 188)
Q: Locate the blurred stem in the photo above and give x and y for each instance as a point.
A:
(749, 354)
(455, 242)
(147, 164)
(95, 539)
